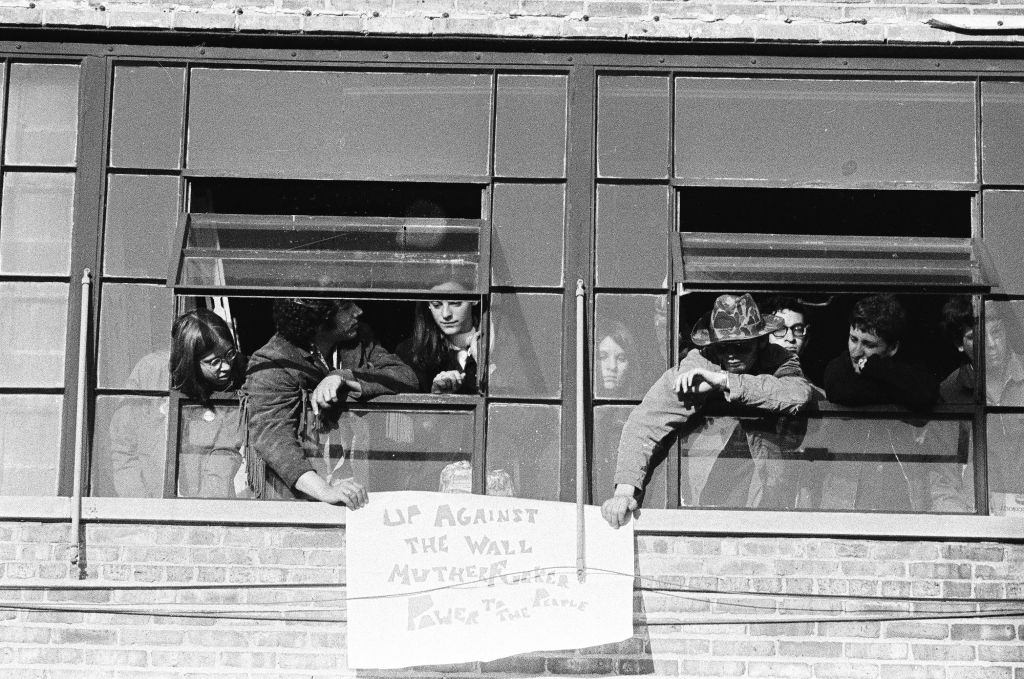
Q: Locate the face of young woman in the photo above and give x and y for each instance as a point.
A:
(613, 363)
(453, 316)
(216, 367)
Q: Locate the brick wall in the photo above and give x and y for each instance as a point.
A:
(862, 21)
(756, 642)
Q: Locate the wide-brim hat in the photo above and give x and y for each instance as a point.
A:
(731, 319)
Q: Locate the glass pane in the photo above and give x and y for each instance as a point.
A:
(1005, 438)
(1002, 212)
(135, 334)
(146, 117)
(29, 444)
(33, 323)
(526, 358)
(1004, 353)
(529, 137)
(209, 451)
(524, 442)
(42, 114)
(629, 353)
(527, 231)
(400, 450)
(327, 253)
(1002, 122)
(632, 126)
(35, 223)
(129, 450)
(339, 124)
(142, 216)
(861, 464)
(837, 131)
(608, 423)
(632, 229)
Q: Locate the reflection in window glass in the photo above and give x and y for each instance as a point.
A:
(527, 354)
(1005, 439)
(142, 215)
(35, 223)
(1004, 353)
(629, 344)
(860, 464)
(399, 450)
(524, 443)
(33, 319)
(29, 444)
(135, 332)
(209, 451)
(129, 445)
(608, 423)
(42, 115)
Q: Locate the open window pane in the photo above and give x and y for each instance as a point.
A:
(42, 115)
(1004, 353)
(30, 427)
(35, 223)
(33, 323)
(523, 450)
(319, 253)
(837, 131)
(129, 448)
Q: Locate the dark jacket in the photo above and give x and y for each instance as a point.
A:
(882, 381)
(281, 428)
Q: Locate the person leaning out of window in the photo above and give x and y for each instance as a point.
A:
(204, 360)
(320, 357)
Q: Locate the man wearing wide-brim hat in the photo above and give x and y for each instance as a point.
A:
(734, 364)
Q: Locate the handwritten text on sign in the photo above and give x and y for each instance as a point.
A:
(445, 578)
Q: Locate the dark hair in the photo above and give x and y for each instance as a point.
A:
(623, 336)
(880, 315)
(297, 319)
(780, 302)
(194, 335)
(957, 318)
(429, 344)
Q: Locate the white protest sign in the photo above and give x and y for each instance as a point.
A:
(437, 578)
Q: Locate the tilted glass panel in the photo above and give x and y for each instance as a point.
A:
(526, 359)
(1005, 438)
(869, 464)
(210, 451)
(632, 230)
(135, 337)
(527, 234)
(523, 450)
(312, 253)
(530, 124)
(1002, 212)
(142, 216)
(337, 124)
(1003, 353)
(816, 131)
(33, 324)
(42, 115)
(146, 116)
(629, 345)
(633, 126)
(30, 427)
(1002, 127)
(35, 223)
(399, 449)
(129, 449)
(934, 264)
(608, 423)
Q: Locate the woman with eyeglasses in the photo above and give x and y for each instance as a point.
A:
(443, 350)
(204, 361)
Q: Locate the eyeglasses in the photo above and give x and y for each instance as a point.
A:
(798, 329)
(215, 361)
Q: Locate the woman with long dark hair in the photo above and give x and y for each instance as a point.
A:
(443, 350)
(204, 361)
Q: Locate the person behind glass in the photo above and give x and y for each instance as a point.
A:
(736, 366)
(443, 350)
(320, 357)
(617, 359)
(868, 373)
(204, 361)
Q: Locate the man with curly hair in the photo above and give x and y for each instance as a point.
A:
(320, 357)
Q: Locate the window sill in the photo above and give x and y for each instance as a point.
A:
(650, 521)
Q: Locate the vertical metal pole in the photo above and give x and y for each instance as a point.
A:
(76, 489)
(581, 484)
